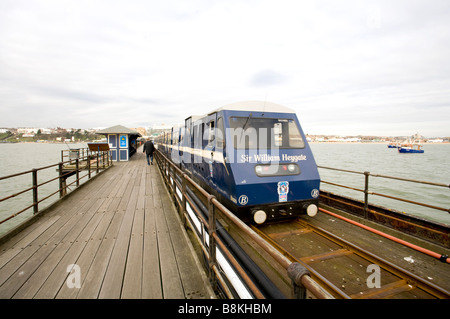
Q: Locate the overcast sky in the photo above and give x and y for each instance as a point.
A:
(347, 67)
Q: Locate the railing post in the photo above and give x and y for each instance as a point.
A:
(212, 240)
(296, 271)
(366, 193)
(61, 182)
(77, 171)
(88, 164)
(97, 164)
(35, 191)
(183, 199)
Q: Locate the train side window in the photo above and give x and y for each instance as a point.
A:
(211, 134)
(295, 139)
(204, 136)
(220, 134)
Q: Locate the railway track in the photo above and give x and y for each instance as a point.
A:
(344, 269)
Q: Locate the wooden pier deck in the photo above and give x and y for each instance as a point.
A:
(122, 231)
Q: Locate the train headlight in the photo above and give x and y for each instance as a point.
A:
(263, 170)
(259, 216)
(311, 210)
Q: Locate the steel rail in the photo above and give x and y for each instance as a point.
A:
(324, 282)
(410, 277)
(441, 257)
(407, 276)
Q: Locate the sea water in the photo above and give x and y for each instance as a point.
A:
(432, 166)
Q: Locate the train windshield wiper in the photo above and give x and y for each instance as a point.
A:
(246, 122)
(243, 127)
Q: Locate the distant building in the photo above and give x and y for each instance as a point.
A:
(436, 140)
(27, 130)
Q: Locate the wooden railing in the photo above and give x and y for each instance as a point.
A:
(367, 192)
(199, 210)
(79, 160)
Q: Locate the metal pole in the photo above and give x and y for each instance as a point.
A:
(77, 171)
(35, 191)
(97, 164)
(60, 168)
(88, 164)
(366, 193)
(212, 241)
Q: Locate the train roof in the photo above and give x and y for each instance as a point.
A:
(255, 106)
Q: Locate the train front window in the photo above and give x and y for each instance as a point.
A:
(264, 133)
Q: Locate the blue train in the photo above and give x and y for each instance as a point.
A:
(253, 156)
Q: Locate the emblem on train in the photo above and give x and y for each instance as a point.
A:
(315, 193)
(243, 200)
(283, 190)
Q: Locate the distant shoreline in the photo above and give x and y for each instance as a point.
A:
(313, 142)
(386, 143)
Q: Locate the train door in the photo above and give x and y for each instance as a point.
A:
(209, 144)
(197, 147)
(186, 140)
(220, 151)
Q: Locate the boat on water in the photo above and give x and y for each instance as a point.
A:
(393, 145)
(410, 148)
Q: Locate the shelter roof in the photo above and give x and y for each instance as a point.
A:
(118, 129)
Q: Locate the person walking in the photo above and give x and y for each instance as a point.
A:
(149, 148)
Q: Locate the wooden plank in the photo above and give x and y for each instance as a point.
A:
(132, 283)
(94, 278)
(7, 255)
(387, 290)
(112, 284)
(170, 276)
(190, 273)
(34, 283)
(83, 259)
(151, 274)
(57, 281)
(326, 256)
(48, 236)
(68, 232)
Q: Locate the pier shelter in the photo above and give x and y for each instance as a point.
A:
(121, 140)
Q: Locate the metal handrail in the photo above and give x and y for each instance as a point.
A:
(87, 155)
(367, 192)
(172, 174)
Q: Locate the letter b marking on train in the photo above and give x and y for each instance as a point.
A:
(374, 279)
(74, 278)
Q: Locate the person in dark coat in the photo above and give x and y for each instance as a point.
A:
(149, 148)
